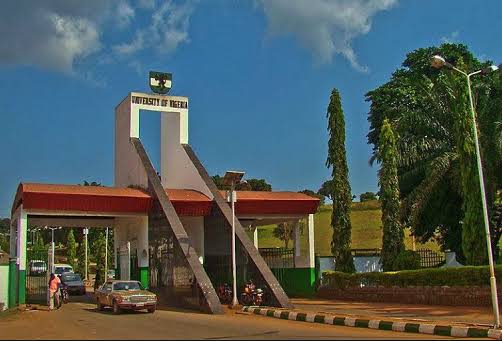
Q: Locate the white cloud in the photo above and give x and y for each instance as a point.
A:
(146, 4)
(58, 34)
(125, 14)
(129, 48)
(327, 27)
(167, 30)
(452, 38)
(49, 34)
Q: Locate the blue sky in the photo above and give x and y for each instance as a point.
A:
(258, 75)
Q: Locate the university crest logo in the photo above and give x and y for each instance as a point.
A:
(160, 82)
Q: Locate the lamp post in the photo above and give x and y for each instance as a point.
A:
(52, 245)
(438, 62)
(232, 178)
(86, 231)
(106, 255)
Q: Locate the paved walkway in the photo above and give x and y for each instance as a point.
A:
(476, 316)
(82, 321)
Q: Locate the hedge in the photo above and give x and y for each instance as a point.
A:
(462, 276)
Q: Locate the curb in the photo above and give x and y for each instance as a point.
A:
(407, 327)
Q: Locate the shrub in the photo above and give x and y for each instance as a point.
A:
(407, 260)
(463, 276)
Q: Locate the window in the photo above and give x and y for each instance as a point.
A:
(71, 277)
(127, 286)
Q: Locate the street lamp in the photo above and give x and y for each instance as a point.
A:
(86, 232)
(232, 178)
(52, 245)
(438, 62)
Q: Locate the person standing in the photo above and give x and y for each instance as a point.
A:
(54, 283)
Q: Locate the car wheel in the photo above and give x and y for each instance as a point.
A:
(151, 310)
(116, 308)
(100, 306)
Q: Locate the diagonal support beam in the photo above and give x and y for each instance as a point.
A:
(258, 260)
(179, 232)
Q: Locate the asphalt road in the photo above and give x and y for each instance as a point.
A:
(83, 321)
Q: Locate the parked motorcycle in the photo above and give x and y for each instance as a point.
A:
(225, 293)
(251, 295)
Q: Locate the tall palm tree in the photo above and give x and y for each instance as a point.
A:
(423, 107)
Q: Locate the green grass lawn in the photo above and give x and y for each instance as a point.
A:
(366, 230)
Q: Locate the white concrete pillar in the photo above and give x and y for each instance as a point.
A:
(128, 167)
(255, 237)
(306, 260)
(142, 241)
(311, 246)
(22, 230)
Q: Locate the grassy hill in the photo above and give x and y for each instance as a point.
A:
(366, 230)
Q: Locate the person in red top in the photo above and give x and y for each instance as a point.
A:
(54, 283)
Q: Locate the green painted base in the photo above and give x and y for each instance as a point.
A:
(22, 286)
(144, 274)
(12, 284)
(297, 282)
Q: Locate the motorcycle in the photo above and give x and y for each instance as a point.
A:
(251, 295)
(225, 293)
(64, 295)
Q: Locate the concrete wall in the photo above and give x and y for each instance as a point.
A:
(177, 170)
(361, 263)
(4, 286)
(135, 231)
(194, 226)
(128, 167)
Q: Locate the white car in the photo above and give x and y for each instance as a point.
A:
(60, 269)
(37, 267)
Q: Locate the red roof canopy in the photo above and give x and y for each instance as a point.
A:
(187, 202)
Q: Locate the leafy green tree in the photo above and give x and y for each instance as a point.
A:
(285, 232)
(473, 235)
(81, 264)
(4, 234)
(311, 193)
(393, 235)
(427, 109)
(39, 251)
(340, 190)
(218, 181)
(4, 225)
(93, 183)
(367, 196)
(71, 249)
(100, 260)
(248, 185)
(326, 189)
(259, 185)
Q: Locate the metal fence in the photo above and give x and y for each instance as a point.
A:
(430, 259)
(278, 258)
(170, 274)
(37, 276)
